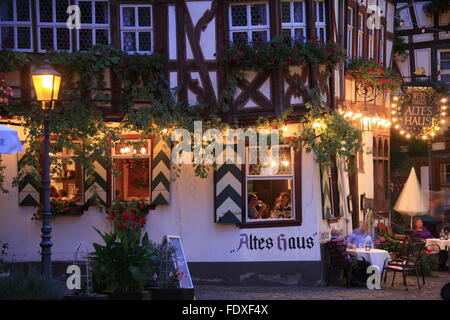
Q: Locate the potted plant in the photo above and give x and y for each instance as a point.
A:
(123, 264)
(165, 282)
(388, 244)
(60, 207)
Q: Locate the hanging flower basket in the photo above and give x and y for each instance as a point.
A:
(372, 74)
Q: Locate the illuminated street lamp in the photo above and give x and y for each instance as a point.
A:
(46, 81)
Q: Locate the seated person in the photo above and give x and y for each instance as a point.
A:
(255, 208)
(283, 203)
(420, 231)
(338, 249)
(359, 238)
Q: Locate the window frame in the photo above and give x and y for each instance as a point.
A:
(381, 55)
(360, 39)
(371, 43)
(137, 29)
(292, 25)
(296, 197)
(445, 71)
(319, 24)
(350, 31)
(148, 156)
(93, 26)
(54, 25)
(15, 24)
(68, 157)
(249, 28)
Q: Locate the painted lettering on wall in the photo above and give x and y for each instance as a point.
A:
(282, 242)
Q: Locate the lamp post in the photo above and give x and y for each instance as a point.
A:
(46, 81)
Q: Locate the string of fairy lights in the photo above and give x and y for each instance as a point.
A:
(431, 131)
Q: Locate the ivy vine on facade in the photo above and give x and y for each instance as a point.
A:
(79, 112)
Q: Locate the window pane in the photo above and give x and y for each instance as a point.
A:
(299, 34)
(445, 55)
(240, 37)
(101, 36)
(286, 12)
(61, 10)
(23, 10)
(144, 16)
(259, 35)
(445, 64)
(46, 38)
(272, 166)
(23, 37)
(350, 16)
(320, 6)
(86, 11)
(128, 18)
(6, 10)
(269, 199)
(66, 181)
(129, 41)
(238, 16)
(259, 14)
(145, 41)
(7, 37)
(101, 12)
(63, 39)
(45, 11)
(85, 39)
(133, 181)
(287, 36)
(298, 12)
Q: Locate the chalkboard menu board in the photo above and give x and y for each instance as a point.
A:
(180, 262)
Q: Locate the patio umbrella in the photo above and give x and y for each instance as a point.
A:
(9, 140)
(411, 202)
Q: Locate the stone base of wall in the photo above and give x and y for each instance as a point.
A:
(273, 273)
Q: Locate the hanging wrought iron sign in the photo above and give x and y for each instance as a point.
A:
(418, 112)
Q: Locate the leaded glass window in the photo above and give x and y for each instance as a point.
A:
(293, 19)
(136, 27)
(94, 24)
(320, 20)
(15, 25)
(53, 33)
(249, 22)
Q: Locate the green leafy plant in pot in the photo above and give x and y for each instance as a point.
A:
(123, 265)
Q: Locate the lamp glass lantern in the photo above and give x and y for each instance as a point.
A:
(47, 82)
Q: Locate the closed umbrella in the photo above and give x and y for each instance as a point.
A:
(411, 201)
(9, 140)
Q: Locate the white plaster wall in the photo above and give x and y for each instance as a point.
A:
(365, 179)
(190, 215)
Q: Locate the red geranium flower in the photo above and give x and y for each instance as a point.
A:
(126, 216)
(121, 226)
(110, 217)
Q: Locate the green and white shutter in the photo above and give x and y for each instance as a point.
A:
(29, 184)
(228, 193)
(96, 185)
(160, 172)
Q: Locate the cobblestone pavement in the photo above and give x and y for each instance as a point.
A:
(431, 291)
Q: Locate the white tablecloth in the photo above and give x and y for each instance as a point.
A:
(443, 244)
(375, 257)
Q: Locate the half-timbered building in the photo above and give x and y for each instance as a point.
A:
(425, 56)
(222, 243)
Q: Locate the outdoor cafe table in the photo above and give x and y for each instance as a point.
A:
(375, 257)
(443, 244)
